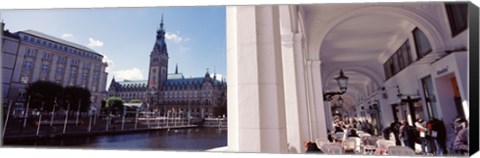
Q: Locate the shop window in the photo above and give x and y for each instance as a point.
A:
(422, 44)
(457, 16)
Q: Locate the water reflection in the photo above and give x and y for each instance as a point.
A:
(174, 139)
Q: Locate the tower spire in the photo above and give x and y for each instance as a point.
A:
(161, 23)
(176, 68)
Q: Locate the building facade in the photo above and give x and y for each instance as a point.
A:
(29, 56)
(173, 93)
(404, 61)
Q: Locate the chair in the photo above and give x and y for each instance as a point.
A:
(400, 151)
(369, 144)
(364, 135)
(358, 142)
(385, 143)
(339, 136)
(349, 145)
(320, 143)
(332, 149)
(382, 146)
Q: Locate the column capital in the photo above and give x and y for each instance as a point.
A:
(314, 63)
(288, 39)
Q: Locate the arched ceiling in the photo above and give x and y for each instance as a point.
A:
(356, 45)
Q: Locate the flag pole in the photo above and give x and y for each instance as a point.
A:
(26, 112)
(40, 118)
(6, 119)
(66, 118)
(53, 112)
(78, 111)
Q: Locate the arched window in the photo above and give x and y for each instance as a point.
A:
(422, 45)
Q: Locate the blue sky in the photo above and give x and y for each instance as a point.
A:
(125, 36)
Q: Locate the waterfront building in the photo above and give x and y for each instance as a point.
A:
(29, 56)
(173, 93)
(403, 60)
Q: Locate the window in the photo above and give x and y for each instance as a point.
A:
(30, 52)
(398, 61)
(59, 71)
(85, 75)
(422, 44)
(47, 55)
(75, 62)
(28, 64)
(73, 73)
(25, 38)
(457, 15)
(62, 59)
(44, 68)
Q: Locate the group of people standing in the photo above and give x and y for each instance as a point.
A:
(431, 135)
(342, 126)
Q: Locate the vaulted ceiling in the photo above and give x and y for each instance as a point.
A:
(355, 45)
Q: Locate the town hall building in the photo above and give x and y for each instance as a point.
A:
(173, 92)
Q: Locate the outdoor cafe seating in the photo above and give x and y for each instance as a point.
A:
(368, 145)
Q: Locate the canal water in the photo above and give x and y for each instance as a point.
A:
(193, 139)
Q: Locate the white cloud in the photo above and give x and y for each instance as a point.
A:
(67, 36)
(128, 74)
(109, 62)
(176, 37)
(94, 43)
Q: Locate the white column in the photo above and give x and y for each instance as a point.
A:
(53, 68)
(232, 71)
(387, 113)
(37, 65)
(298, 122)
(66, 75)
(317, 104)
(328, 115)
(259, 116)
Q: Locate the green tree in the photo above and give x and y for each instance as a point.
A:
(135, 101)
(113, 105)
(43, 92)
(76, 96)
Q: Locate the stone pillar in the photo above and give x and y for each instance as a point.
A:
(53, 68)
(66, 75)
(298, 121)
(328, 114)
(387, 113)
(316, 105)
(257, 110)
(37, 66)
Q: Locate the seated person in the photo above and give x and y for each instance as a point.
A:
(311, 147)
(338, 129)
(352, 133)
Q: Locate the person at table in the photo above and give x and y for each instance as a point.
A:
(460, 144)
(395, 129)
(311, 147)
(338, 128)
(438, 134)
(419, 124)
(386, 133)
(407, 135)
(352, 133)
